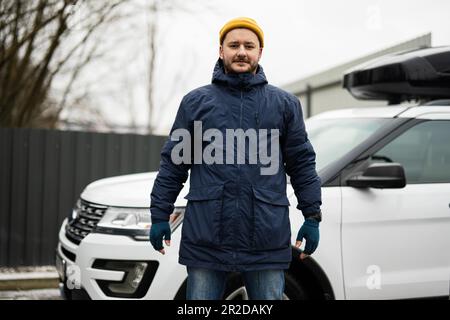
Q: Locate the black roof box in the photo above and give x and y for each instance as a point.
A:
(421, 74)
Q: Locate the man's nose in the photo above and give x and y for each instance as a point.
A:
(241, 51)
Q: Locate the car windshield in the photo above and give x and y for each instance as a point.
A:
(333, 138)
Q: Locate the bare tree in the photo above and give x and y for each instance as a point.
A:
(154, 9)
(40, 39)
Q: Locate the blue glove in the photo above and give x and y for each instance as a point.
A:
(310, 232)
(159, 230)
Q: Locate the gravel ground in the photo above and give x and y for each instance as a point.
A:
(5, 270)
(40, 294)
(26, 278)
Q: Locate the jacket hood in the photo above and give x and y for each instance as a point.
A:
(238, 80)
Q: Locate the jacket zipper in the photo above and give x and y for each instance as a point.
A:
(237, 156)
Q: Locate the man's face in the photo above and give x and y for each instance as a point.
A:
(240, 51)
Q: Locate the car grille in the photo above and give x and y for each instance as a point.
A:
(88, 215)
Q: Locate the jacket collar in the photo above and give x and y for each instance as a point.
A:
(238, 80)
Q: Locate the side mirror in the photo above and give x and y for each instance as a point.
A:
(380, 175)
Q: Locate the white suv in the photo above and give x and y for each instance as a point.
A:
(385, 230)
(379, 238)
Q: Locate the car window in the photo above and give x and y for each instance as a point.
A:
(424, 152)
(333, 138)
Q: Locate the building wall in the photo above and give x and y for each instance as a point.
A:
(332, 98)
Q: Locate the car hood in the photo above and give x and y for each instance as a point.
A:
(131, 190)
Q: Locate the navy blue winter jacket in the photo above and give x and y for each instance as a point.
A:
(237, 219)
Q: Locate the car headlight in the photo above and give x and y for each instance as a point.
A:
(133, 222)
(75, 211)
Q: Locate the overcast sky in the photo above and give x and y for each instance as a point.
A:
(301, 38)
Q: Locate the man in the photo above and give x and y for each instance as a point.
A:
(237, 216)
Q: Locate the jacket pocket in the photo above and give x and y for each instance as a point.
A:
(271, 225)
(202, 222)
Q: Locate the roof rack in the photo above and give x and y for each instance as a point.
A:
(420, 74)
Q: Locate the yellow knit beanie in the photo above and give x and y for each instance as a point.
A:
(242, 22)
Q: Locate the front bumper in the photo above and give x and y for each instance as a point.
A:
(83, 271)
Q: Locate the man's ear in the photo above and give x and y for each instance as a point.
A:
(221, 52)
(260, 53)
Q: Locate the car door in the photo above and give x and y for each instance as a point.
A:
(396, 242)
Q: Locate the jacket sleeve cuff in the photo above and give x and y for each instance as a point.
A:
(158, 216)
(316, 217)
(310, 211)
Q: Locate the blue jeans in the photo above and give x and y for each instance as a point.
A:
(205, 284)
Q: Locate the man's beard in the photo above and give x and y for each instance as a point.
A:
(228, 66)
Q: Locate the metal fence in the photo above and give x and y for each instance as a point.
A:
(42, 173)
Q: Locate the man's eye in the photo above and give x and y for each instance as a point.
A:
(233, 46)
(249, 47)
